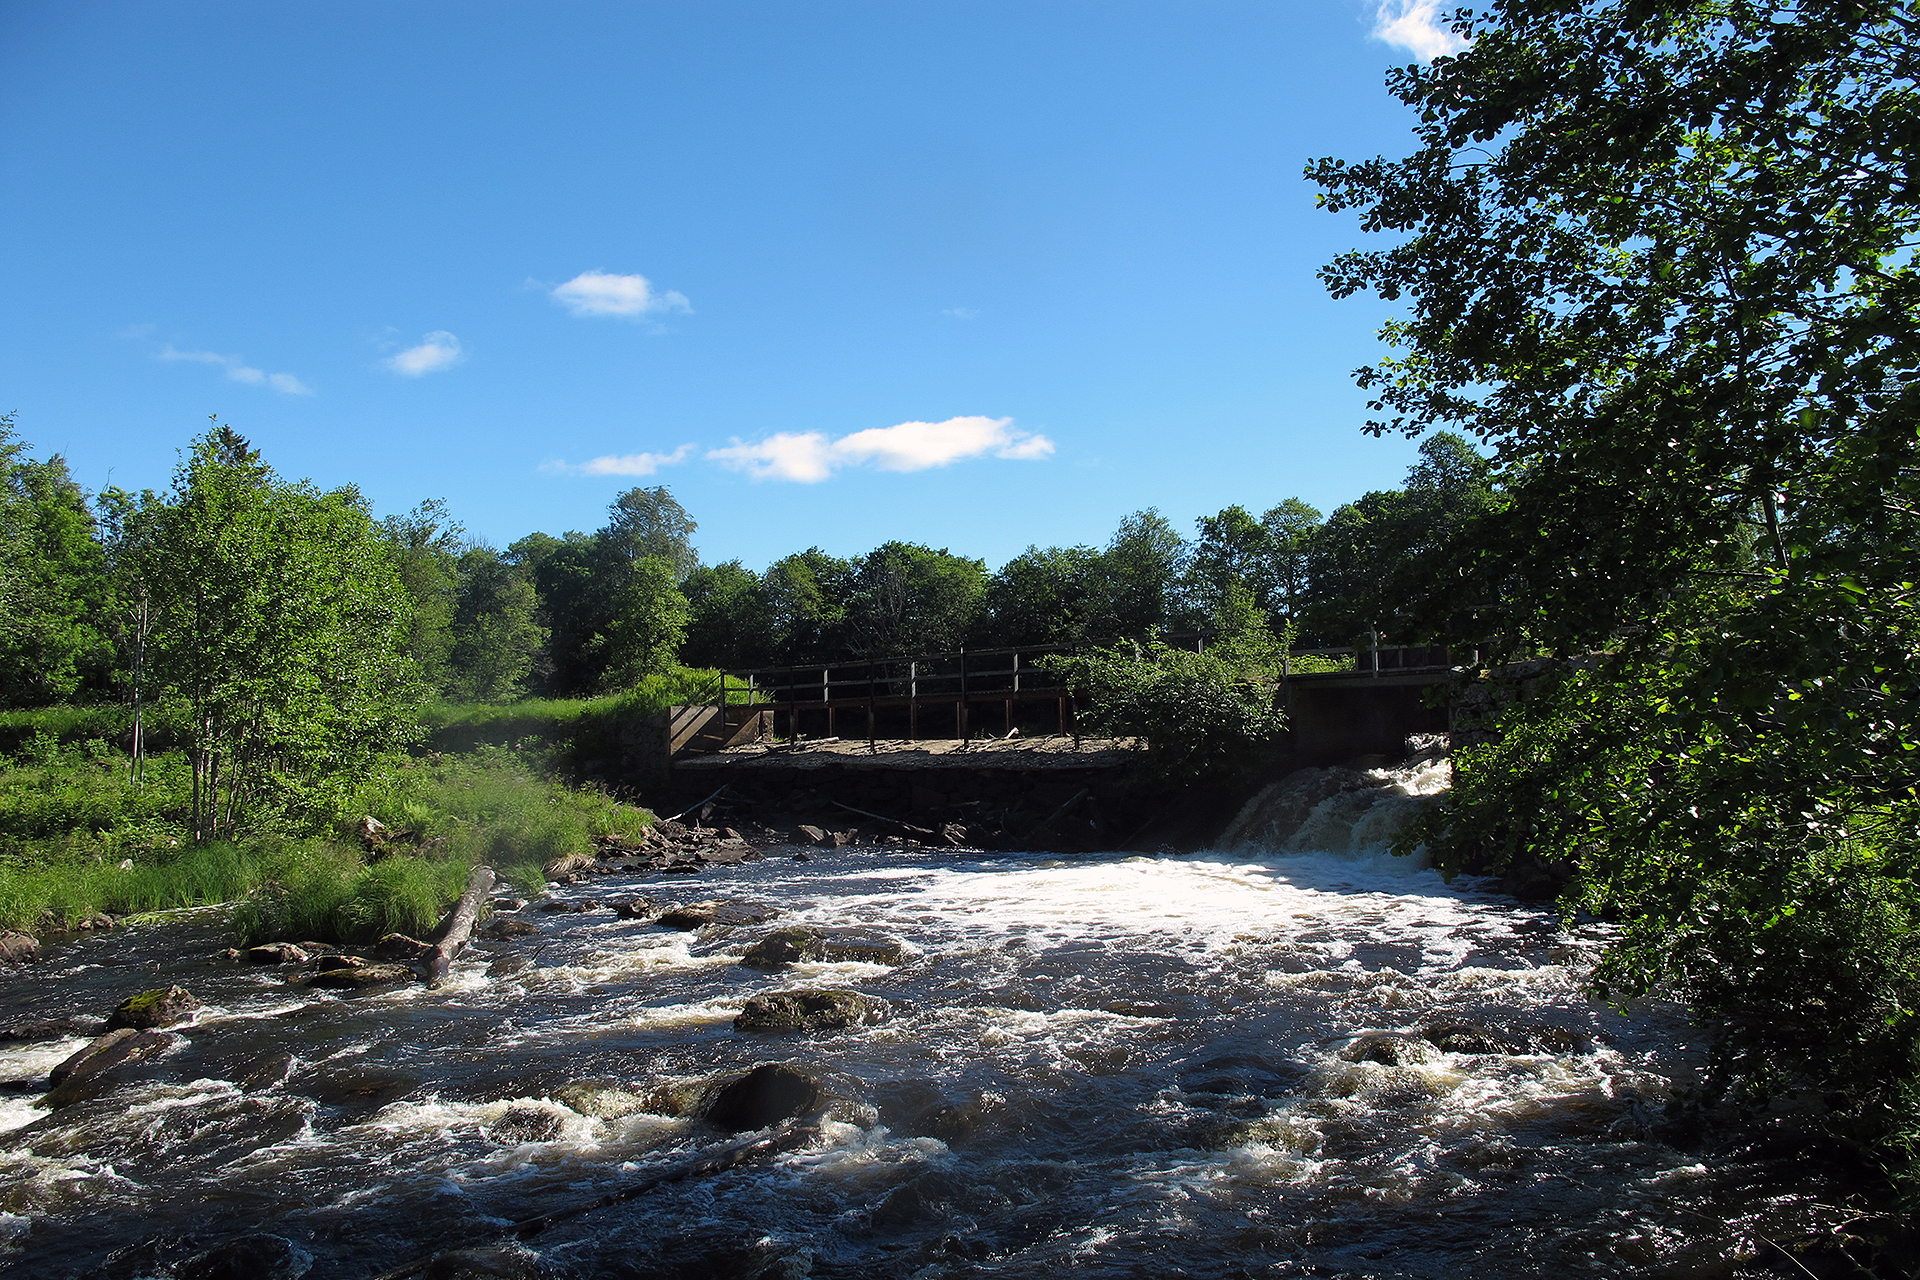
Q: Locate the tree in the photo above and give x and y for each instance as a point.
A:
(808, 597)
(426, 544)
(1658, 256)
(1233, 551)
(732, 622)
(279, 635)
(912, 599)
(57, 645)
(497, 637)
(646, 624)
(1041, 596)
(1139, 578)
(1290, 530)
(649, 522)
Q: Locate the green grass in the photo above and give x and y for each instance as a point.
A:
(567, 723)
(69, 818)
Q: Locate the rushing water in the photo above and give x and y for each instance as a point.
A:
(1104, 1065)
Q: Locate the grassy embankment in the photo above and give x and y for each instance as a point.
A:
(77, 838)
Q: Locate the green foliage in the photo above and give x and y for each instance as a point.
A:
(731, 621)
(63, 890)
(1137, 585)
(278, 637)
(76, 799)
(497, 638)
(646, 622)
(1041, 596)
(913, 599)
(53, 644)
(1198, 716)
(1659, 257)
(425, 545)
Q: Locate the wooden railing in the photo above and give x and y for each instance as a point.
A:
(954, 694)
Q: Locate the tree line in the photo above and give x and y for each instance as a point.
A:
(587, 613)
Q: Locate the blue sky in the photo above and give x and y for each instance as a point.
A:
(973, 274)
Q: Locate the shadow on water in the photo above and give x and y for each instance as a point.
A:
(1318, 1061)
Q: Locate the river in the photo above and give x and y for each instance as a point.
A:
(1099, 1065)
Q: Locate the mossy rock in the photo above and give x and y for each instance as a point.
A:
(160, 1007)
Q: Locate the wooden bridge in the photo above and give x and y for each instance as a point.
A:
(967, 694)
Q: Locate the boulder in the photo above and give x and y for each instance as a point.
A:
(812, 834)
(556, 907)
(509, 904)
(1520, 1038)
(327, 964)
(255, 1257)
(636, 909)
(277, 953)
(361, 976)
(601, 1099)
(526, 1124)
(493, 1262)
(953, 834)
(790, 946)
(721, 911)
(398, 946)
(110, 1050)
(505, 966)
(99, 921)
(776, 1091)
(503, 927)
(811, 1009)
(726, 854)
(1388, 1048)
(32, 1030)
(160, 1007)
(18, 948)
(802, 857)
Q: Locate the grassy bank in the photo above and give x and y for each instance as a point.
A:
(574, 726)
(77, 838)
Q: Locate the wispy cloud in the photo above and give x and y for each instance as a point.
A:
(961, 313)
(625, 464)
(238, 370)
(603, 293)
(810, 457)
(438, 350)
(1417, 26)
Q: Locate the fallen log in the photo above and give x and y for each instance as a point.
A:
(1059, 813)
(439, 957)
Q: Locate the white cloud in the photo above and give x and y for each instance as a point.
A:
(1416, 26)
(602, 293)
(961, 313)
(626, 464)
(438, 350)
(238, 370)
(809, 457)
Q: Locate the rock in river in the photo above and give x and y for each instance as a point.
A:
(501, 928)
(121, 1045)
(18, 948)
(776, 1091)
(161, 1007)
(790, 946)
(811, 1009)
(360, 976)
(721, 911)
(277, 953)
(258, 1257)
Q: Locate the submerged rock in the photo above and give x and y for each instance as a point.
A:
(720, 911)
(493, 1262)
(776, 1091)
(636, 909)
(601, 1099)
(277, 953)
(503, 927)
(1520, 1038)
(526, 1124)
(30, 1030)
(160, 1007)
(360, 976)
(120, 1045)
(1388, 1048)
(257, 1257)
(783, 947)
(811, 1009)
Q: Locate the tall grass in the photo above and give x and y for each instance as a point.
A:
(567, 722)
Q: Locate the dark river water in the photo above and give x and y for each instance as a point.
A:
(1104, 1065)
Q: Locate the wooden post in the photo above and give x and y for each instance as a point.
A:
(1062, 710)
(960, 708)
(913, 701)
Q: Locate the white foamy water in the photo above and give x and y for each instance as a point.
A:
(1219, 1064)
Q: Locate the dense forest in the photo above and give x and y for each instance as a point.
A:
(589, 613)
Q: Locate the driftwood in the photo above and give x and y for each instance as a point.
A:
(459, 926)
(784, 1137)
(880, 817)
(710, 799)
